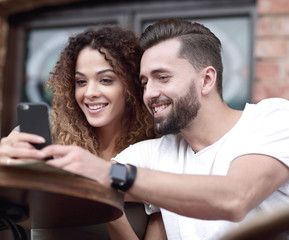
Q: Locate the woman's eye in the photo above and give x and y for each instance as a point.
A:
(106, 81)
(144, 83)
(80, 82)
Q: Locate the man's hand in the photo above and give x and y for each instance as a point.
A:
(79, 161)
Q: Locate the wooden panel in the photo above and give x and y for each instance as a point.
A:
(55, 198)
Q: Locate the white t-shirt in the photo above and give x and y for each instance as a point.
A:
(262, 129)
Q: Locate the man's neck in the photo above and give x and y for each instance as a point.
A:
(211, 124)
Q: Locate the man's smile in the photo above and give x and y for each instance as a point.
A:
(159, 108)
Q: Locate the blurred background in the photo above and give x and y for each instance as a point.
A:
(254, 35)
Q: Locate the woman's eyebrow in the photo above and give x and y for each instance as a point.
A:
(97, 73)
(104, 71)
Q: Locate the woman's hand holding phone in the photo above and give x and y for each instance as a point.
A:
(17, 145)
(34, 134)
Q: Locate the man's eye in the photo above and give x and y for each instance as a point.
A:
(163, 77)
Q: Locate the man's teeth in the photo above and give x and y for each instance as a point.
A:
(95, 107)
(157, 109)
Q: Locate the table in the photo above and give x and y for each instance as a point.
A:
(263, 226)
(41, 196)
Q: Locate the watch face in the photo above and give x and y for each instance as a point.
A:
(118, 174)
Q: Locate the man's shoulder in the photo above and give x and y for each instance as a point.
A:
(268, 107)
(166, 139)
(273, 103)
(270, 114)
(144, 153)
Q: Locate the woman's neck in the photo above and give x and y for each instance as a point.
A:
(107, 138)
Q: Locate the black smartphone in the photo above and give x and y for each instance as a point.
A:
(34, 118)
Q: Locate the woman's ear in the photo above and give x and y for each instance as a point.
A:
(209, 76)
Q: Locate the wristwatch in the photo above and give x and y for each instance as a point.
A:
(122, 176)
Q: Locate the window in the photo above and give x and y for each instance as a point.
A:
(36, 39)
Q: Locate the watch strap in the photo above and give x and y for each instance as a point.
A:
(131, 176)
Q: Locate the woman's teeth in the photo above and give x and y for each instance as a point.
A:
(95, 107)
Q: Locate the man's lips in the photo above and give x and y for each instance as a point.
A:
(156, 108)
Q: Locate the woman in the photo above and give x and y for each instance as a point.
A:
(100, 110)
(97, 105)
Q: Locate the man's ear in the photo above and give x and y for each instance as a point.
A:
(209, 76)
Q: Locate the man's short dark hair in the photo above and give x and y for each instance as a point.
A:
(199, 45)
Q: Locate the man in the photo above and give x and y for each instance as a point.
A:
(215, 166)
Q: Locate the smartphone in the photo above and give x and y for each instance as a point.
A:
(34, 118)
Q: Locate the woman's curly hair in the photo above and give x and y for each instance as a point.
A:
(69, 125)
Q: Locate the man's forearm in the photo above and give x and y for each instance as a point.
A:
(204, 197)
(228, 197)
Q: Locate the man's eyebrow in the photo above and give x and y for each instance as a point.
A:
(158, 70)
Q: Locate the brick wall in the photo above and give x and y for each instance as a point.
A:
(272, 50)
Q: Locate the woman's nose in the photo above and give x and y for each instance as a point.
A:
(92, 90)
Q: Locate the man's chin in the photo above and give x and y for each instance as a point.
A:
(162, 130)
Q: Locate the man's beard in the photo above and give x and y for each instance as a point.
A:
(184, 110)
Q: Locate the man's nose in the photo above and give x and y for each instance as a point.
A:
(151, 91)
